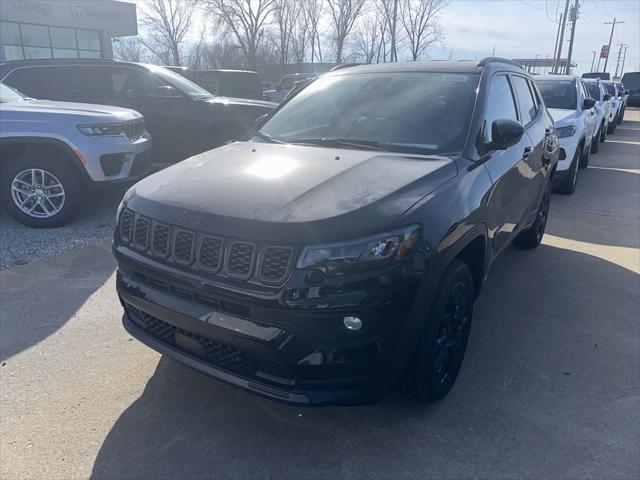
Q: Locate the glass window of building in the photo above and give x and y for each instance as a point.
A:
(24, 41)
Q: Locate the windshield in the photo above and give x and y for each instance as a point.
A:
(611, 89)
(179, 82)
(8, 94)
(404, 112)
(558, 93)
(594, 90)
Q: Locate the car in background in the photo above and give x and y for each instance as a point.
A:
(228, 83)
(574, 114)
(54, 153)
(287, 82)
(623, 94)
(600, 75)
(339, 248)
(596, 90)
(183, 118)
(616, 105)
(631, 81)
(298, 86)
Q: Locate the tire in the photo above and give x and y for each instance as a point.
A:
(612, 127)
(50, 207)
(603, 132)
(568, 185)
(531, 238)
(595, 142)
(440, 350)
(586, 155)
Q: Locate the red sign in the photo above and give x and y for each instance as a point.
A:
(604, 53)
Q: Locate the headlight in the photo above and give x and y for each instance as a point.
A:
(94, 130)
(354, 256)
(566, 131)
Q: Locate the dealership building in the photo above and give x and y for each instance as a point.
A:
(63, 28)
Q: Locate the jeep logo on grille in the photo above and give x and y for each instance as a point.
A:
(189, 219)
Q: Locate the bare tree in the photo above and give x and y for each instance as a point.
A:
(313, 13)
(343, 15)
(390, 9)
(167, 23)
(301, 34)
(420, 21)
(246, 20)
(286, 14)
(369, 35)
(129, 49)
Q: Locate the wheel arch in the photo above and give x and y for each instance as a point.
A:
(10, 146)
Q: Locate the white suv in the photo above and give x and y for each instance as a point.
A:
(53, 151)
(574, 114)
(596, 90)
(616, 105)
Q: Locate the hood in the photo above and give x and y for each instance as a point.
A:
(289, 193)
(241, 101)
(80, 111)
(561, 116)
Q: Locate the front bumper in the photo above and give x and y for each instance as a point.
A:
(568, 146)
(302, 356)
(114, 158)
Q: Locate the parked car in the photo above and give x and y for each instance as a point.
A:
(182, 118)
(298, 86)
(343, 242)
(574, 115)
(616, 105)
(600, 75)
(287, 82)
(596, 90)
(624, 97)
(631, 81)
(53, 152)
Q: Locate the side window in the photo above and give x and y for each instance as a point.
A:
(71, 84)
(500, 105)
(534, 94)
(528, 108)
(131, 83)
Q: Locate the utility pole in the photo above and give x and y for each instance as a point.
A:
(574, 19)
(624, 57)
(555, 48)
(493, 54)
(613, 26)
(563, 21)
(593, 60)
(622, 45)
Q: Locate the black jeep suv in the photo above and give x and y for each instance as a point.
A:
(182, 118)
(340, 245)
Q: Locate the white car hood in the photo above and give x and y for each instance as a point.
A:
(85, 111)
(561, 116)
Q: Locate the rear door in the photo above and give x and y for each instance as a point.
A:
(508, 168)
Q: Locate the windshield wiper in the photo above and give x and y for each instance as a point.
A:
(340, 142)
(266, 137)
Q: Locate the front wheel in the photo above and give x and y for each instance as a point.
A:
(568, 185)
(443, 343)
(595, 143)
(40, 189)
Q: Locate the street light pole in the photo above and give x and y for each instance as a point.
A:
(613, 26)
(563, 22)
(593, 61)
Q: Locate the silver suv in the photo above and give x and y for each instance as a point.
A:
(52, 152)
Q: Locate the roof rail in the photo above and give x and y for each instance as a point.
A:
(484, 61)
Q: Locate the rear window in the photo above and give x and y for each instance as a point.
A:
(558, 93)
(631, 81)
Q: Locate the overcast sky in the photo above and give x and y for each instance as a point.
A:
(526, 28)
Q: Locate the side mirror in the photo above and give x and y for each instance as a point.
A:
(505, 133)
(588, 103)
(607, 97)
(167, 91)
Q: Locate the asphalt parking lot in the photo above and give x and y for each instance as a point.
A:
(550, 387)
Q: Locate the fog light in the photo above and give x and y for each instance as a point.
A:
(352, 323)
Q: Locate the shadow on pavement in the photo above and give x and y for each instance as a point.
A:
(38, 299)
(509, 398)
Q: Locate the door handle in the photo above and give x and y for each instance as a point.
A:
(526, 152)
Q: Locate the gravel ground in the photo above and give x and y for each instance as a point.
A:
(21, 244)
